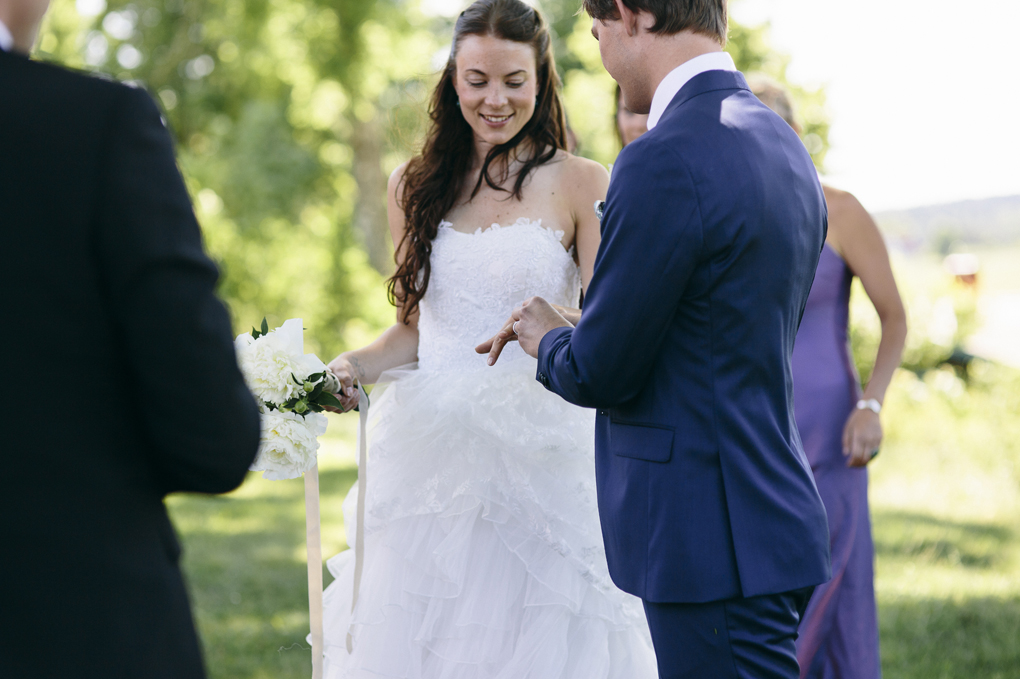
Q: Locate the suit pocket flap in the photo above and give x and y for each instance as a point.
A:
(641, 442)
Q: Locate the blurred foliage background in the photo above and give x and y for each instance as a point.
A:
(289, 116)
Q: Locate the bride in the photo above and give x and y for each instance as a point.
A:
(483, 551)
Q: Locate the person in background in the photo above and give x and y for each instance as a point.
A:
(572, 140)
(840, 425)
(629, 125)
(121, 367)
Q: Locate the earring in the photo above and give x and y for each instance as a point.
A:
(458, 103)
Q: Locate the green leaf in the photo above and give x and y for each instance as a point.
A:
(328, 399)
(265, 326)
(296, 380)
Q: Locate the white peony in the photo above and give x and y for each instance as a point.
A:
(289, 444)
(267, 367)
(270, 365)
(269, 362)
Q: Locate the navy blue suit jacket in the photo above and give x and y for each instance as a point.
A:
(712, 230)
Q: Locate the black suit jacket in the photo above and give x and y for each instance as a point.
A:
(119, 380)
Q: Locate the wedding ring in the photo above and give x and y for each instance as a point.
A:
(514, 327)
(874, 454)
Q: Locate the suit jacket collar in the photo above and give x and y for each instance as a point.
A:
(679, 76)
(709, 81)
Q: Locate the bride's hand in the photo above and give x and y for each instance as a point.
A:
(494, 346)
(344, 371)
(540, 314)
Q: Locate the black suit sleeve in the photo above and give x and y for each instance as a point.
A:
(199, 419)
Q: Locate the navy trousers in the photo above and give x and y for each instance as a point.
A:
(750, 638)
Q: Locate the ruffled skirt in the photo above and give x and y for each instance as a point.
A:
(483, 551)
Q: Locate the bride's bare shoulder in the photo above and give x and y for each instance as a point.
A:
(395, 204)
(397, 178)
(582, 176)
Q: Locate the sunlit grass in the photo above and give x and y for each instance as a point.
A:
(945, 500)
(245, 563)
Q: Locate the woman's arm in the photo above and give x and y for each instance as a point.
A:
(855, 236)
(398, 345)
(586, 182)
(571, 314)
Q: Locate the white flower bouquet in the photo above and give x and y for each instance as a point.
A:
(292, 388)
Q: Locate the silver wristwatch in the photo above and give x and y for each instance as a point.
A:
(871, 404)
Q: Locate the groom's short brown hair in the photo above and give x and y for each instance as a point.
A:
(707, 17)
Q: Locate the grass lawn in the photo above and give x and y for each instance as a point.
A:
(244, 558)
(946, 519)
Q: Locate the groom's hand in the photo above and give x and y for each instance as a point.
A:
(528, 324)
(533, 319)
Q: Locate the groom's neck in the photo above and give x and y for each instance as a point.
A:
(666, 52)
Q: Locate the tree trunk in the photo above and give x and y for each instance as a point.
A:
(370, 210)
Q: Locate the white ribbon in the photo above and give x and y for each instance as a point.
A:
(313, 540)
(359, 536)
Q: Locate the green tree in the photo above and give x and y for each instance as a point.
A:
(271, 103)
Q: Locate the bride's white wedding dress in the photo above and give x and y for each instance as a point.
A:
(483, 551)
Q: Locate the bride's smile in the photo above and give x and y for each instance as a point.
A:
(496, 121)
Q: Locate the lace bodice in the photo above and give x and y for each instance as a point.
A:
(476, 281)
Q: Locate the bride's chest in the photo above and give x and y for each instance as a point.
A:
(500, 266)
(494, 207)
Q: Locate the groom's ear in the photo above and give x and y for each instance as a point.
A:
(631, 20)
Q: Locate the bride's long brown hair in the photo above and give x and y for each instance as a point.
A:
(434, 179)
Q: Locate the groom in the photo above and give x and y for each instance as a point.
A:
(711, 233)
(119, 376)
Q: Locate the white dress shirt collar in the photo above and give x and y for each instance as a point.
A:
(679, 76)
(6, 39)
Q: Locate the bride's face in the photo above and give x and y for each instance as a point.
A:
(496, 83)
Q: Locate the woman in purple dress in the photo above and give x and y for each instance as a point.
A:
(840, 427)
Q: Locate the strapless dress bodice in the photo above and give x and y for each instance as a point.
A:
(478, 278)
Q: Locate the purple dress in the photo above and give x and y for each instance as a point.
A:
(839, 633)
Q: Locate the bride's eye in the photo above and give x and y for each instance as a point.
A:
(515, 85)
(477, 84)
